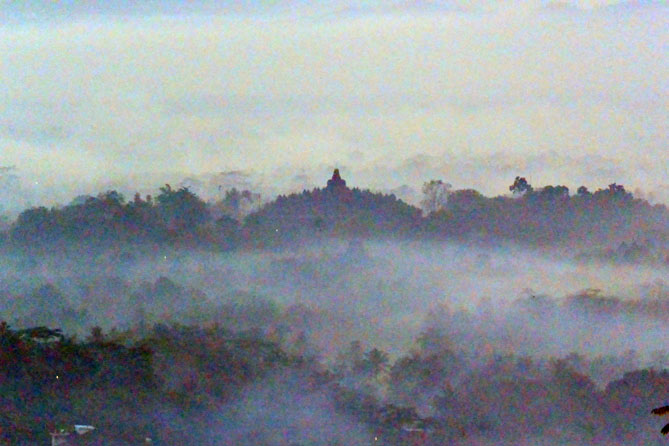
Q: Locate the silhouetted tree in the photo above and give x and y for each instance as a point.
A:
(520, 186)
(616, 188)
(554, 192)
(237, 204)
(435, 195)
(374, 362)
(181, 210)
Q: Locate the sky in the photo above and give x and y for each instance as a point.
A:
(110, 94)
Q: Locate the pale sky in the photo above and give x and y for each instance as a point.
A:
(393, 92)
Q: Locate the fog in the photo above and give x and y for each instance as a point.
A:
(243, 303)
(281, 410)
(102, 97)
(380, 293)
(338, 316)
(470, 313)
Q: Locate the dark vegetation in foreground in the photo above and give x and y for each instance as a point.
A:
(179, 385)
(614, 224)
(469, 377)
(171, 363)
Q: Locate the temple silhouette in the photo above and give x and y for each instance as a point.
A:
(336, 183)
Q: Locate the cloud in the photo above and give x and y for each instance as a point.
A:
(192, 92)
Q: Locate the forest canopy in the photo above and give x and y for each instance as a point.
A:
(611, 220)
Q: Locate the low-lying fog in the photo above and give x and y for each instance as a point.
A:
(381, 293)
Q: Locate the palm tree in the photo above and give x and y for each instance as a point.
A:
(662, 411)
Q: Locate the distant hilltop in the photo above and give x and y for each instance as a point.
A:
(335, 210)
(604, 219)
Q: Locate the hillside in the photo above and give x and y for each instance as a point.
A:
(335, 210)
(609, 224)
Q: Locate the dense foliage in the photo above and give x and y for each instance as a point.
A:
(168, 382)
(176, 216)
(614, 225)
(184, 366)
(124, 383)
(325, 212)
(550, 216)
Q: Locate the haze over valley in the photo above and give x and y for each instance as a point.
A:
(344, 223)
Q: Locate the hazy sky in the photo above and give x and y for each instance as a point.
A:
(395, 92)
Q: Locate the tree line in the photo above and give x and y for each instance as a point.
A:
(544, 216)
(171, 382)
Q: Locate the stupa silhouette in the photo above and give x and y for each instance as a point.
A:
(336, 182)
